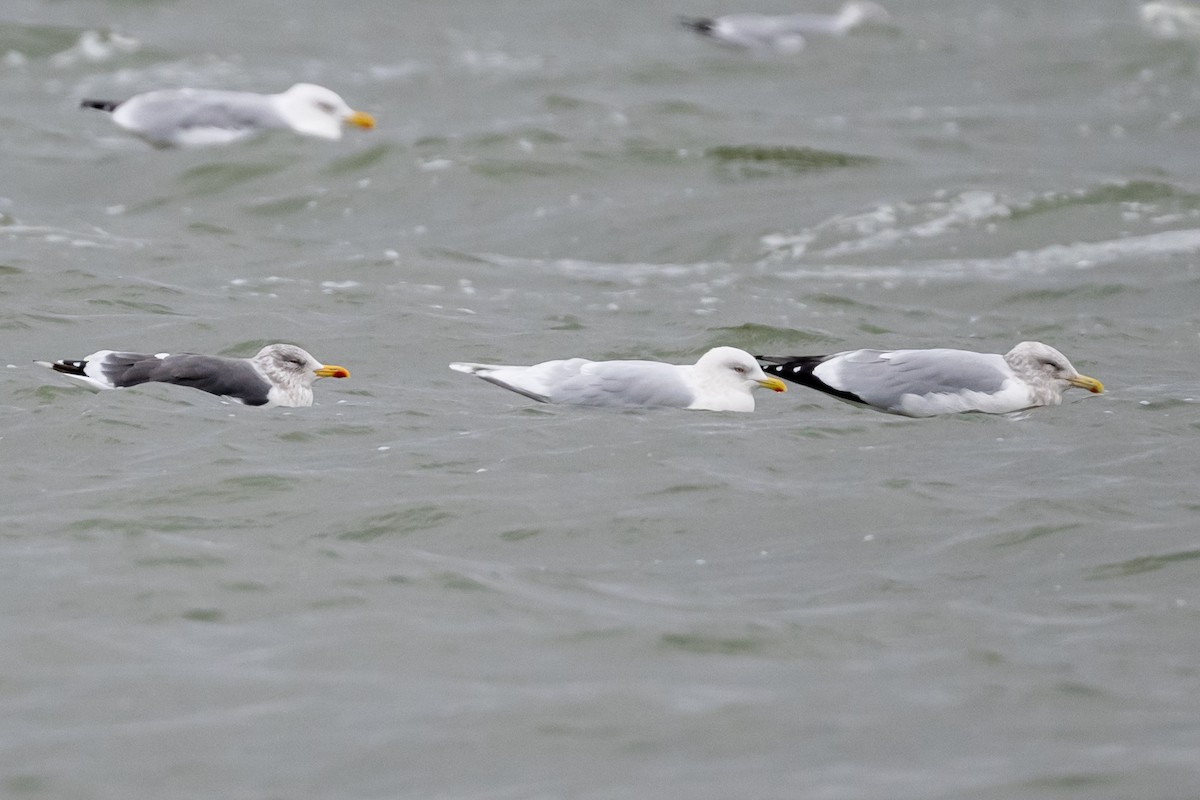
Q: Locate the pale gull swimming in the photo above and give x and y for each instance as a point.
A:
(182, 117)
(279, 375)
(1171, 19)
(785, 32)
(924, 383)
(720, 381)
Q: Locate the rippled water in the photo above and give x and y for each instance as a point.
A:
(425, 586)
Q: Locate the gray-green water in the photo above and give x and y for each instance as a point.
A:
(427, 587)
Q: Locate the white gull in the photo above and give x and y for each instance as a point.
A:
(183, 117)
(722, 380)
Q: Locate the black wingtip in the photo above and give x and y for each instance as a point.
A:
(100, 105)
(799, 369)
(699, 24)
(70, 367)
(792, 365)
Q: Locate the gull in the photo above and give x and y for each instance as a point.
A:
(279, 375)
(190, 117)
(785, 32)
(925, 383)
(1171, 19)
(720, 381)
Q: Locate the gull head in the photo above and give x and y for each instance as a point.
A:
(729, 370)
(1045, 367)
(862, 12)
(290, 366)
(316, 111)
(1171, 19)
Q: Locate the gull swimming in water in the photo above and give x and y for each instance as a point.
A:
(1171, 19)
(279, 375)
(786, 32)
(721, 380)
(189, 117)
(925, 383)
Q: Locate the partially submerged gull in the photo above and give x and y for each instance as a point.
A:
(279, 375)
(785, 32)
(182, 117)
(722, 380)
(925, 383)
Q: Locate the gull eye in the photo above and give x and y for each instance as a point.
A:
(326, 107)
(740, 370)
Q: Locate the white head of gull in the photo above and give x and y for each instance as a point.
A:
(316, 111)
(1172, 19)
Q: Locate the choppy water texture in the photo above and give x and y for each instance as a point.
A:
(427, 587)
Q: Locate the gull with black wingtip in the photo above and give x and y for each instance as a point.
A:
(191, 117)
(279, 375)
(785, 32)
(925, 383)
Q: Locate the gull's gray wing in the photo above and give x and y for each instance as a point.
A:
(806, 23)
(881, 378)
(227, 377)
(624, 383)
(578, 381)
(163, 115)
(746, 30)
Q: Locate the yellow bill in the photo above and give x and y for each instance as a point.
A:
(332, 371)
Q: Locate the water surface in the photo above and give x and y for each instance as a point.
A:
(424, 586)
